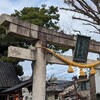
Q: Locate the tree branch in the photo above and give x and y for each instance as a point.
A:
(92, 26)
(91, 10)
(85, 20)
(82, 7)
(73, 10)
(84, 12)
(96, 3)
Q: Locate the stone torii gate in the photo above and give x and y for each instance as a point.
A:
(41, 36)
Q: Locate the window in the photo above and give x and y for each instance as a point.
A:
(83, 86)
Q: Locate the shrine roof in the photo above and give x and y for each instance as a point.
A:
(18, 87)
(8, 77)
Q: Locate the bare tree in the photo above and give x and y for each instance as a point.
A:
(88, 8)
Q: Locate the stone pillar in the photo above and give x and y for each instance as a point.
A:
(92, 87)
(39, 74)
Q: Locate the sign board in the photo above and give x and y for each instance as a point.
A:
(81, 48)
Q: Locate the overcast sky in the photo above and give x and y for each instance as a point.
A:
(66, 24)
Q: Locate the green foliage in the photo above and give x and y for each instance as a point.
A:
(40, 16)
(19, 70)
(2, 30)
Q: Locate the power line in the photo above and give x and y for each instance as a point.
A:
(61, 76)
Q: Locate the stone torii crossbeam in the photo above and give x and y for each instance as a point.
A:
(42, 36)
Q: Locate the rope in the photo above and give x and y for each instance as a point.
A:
(68, 62)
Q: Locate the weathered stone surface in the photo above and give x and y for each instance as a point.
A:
(24, 32)
(53, 60)
(32, 31)
(21, 53)
(39, 77)
(58, 40)
(27, 54)
(4, 19)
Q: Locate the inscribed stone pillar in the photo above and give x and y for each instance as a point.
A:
(39, 74)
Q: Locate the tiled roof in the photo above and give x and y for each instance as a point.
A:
(18, 86)
(8, 77)
(59, 85)
(27, 83)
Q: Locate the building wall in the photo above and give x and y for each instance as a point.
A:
(28, 95)
(52, 96)
(84, 88)
(70, 88)
(85, 93)
(97, 81)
